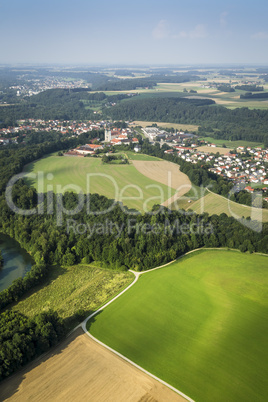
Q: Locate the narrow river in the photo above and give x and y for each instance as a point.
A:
(16, 261)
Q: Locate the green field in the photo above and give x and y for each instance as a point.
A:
(215, 204)
(69, 290)
(232, 144)
(200, 324)
(114, 181)
(133, 156)
(230, 100)
(177, 126)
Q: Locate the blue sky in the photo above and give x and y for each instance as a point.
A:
(136, 32)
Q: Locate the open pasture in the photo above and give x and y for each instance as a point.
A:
(177, 126)
(68, 290)
(232, 144)
(200, 324)
(216, 204)
(214, 150)
(123, 183)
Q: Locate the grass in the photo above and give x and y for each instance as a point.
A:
(177, 126)
(140, 157)
(72, 289)
(232, 144)
(230, 100)
(216, 204)
(185, 202)
(200, 324)
(113, 181)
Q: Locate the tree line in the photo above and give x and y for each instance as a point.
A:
(222, 123)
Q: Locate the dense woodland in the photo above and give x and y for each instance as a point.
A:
(148, 82)
(22, 339)
(249, 88)
(237, 124)
(250, 95)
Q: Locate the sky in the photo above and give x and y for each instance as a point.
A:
(117, 32)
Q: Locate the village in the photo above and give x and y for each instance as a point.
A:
(244, 165)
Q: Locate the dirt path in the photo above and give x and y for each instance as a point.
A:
(80, 369)
(166, 173)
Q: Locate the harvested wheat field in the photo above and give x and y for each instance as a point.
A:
(214, 150)
(80, 369)
(167, 173)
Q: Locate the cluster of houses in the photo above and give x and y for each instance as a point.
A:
(35, 86)
(10, 135)
(65, 126)
(113, 137)
(246, 165)
(154, 134)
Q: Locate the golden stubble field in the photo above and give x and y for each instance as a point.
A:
(167, 173)
(81, 369)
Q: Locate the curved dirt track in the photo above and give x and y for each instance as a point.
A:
(80, 369)
(166, 173)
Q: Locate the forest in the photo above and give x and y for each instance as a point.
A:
(249, 95)
(22, 339)
(237, 124)
(249, 88)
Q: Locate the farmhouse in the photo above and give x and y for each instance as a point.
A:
(88, 149)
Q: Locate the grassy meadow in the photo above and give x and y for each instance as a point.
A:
(215, 204)
(69, 290)
(177, 126)
(200, 324)
(232, 144)
(113, 181)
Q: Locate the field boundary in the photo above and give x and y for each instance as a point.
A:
(84, 327)
(137, 275)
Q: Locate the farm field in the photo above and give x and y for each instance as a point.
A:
(161, 170)
(222, 151)
(199, 324)
(232, 144)
(228, 99)
(68, 290)
(216, 204)
(133, 156)
(177, 126)
(113, 181)
(80, 369)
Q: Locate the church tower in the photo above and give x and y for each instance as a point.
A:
(108, 136)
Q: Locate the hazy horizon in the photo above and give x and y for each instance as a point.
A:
(154, 33)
